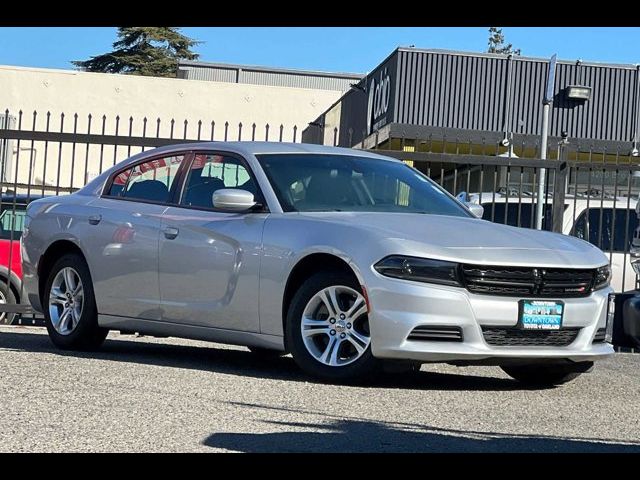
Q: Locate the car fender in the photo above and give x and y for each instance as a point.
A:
(67, 237)
(273, 283)
(326, 249)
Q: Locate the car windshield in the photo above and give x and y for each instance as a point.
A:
(325, 183)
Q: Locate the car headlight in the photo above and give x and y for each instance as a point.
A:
(419, 269)
(603, 276)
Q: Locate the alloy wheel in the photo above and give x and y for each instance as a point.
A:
(66, 300)
(335, 326)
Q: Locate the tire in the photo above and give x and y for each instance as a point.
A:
(261, 352)
(342, 360)
(79, 330)
(7, 297)
(547, 375)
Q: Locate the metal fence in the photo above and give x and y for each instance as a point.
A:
(591, 192)
(47, 154)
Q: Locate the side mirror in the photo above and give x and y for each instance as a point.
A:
(233, 200)
(476, 208)
(462, 197)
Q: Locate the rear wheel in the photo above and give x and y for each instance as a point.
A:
(547, 375)
(327, 328)
(70, 308)
(6, 297)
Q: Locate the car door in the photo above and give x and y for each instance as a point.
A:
(122, 244)
(209, 260)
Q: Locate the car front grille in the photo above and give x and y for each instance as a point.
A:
(434, 333)
(528, 281)
(515, 337)
(600, 335)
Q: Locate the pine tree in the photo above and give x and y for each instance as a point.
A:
(151, 51)
(497, 45)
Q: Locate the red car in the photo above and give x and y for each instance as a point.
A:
(12, 211)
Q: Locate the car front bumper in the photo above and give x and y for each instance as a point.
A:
(398, 306)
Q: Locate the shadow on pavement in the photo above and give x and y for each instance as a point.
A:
(244, 363)
(340, 436)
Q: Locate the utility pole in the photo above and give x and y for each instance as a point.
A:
(544, 136)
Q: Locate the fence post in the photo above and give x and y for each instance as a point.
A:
(559, 186)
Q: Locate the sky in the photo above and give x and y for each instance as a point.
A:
(338, 49)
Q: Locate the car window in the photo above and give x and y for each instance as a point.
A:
(149, 181)
(605, 230)
(12, 223)
(211, 172)
(518, 215)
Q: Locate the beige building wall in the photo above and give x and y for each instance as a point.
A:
(332, 125)
(134, 98)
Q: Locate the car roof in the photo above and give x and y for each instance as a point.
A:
(260, 147)
(243, 148)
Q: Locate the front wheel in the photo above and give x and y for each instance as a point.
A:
(327, 328)
(547, 375)
(70, 307)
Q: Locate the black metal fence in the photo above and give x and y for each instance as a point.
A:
(590, 192)
(47, 154)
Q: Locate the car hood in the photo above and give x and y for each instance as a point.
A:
(468, 240)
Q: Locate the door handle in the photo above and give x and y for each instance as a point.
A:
(170, 232)
(95, 219)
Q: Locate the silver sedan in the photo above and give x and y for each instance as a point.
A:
(346, 259)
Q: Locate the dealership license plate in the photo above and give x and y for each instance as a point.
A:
(540, 314)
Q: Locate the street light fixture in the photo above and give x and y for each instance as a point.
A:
(578, 92)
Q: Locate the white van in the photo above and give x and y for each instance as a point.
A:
(590, 217)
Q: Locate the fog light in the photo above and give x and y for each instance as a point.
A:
(611, 312)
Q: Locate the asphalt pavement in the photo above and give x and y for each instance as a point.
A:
(146, 394)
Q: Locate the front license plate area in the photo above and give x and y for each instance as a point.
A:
(540, 314)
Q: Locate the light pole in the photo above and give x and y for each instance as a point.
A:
(543, 171)
(544, 135)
